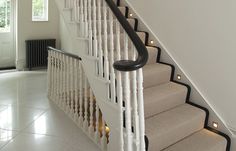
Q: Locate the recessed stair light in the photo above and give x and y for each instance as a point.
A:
(107, 129)
(131, 15)
(215, 124)
(152, 42)
(179, 77)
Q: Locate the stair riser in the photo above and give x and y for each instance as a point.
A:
(153, 54)
(170, 127)
(156, 78)
(164, 104)
(163, 98)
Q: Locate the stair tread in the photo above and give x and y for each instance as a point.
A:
(163, 97)
(171, 126)
(203, 140)
(155, 74)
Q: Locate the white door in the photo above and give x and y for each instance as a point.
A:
(7, 53)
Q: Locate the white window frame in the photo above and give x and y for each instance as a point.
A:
(45, 14)
(7, 30)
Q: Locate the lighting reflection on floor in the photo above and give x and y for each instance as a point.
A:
(40, 126)
(6, 118)
(5, 135)
(30, 122)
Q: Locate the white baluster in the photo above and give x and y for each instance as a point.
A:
(100, 67)
(86, 17)
(52, 75)
(60, 79)
(76, 76)
(78, 10)
(68, 85)
(112, 72)
(118, 56)
(82, 25)
(71, 87)
(85, 124)
(106, 63)
(135, 103)
(90, 34)
(141, 109)
(49, 73)
(97, 133)
(67, 3)
(119, 86)
(91, 108)
(64, 83)
(75, 10)
(95, 42)
(128, 123)
(55, 77)
(80, 95)
(104, 137)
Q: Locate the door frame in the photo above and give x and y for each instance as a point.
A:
(14, 30)
(14, 13)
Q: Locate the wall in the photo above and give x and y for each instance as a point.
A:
(66, 41)
(200, 37)
(26, 29)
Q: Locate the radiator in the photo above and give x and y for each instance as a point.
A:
(36, 52)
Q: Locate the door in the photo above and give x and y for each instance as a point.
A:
(7, 52)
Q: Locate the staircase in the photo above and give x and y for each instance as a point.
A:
(136, 96)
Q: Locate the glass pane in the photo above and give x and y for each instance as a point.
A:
(39, 10)
(5, 13)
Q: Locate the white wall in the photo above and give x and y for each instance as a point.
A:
(66, 41)
(200, 36)
(34, 30)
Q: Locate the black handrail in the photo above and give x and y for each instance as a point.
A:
(65, 53)
(129, 65)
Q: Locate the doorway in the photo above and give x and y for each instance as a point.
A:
(7, 32)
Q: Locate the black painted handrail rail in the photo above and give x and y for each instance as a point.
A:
(65, 53)
(129, 65)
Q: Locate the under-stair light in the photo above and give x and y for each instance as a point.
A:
(131, 15)
(179, 77)
(215, 124)
(107, 129)
(152, 42)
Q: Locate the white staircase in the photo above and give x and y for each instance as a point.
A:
(112, 96)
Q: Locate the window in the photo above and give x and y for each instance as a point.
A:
(39, 10)
(5, 10)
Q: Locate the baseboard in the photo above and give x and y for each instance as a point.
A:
(20, 64)
(7, 68)
(233, 130)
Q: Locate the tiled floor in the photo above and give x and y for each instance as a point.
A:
(30, 122)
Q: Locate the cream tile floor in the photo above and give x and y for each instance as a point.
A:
(30, 122)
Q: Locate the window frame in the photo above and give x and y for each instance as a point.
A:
(7, 28)
(45, 14)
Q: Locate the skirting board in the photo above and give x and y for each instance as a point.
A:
(20, 64)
